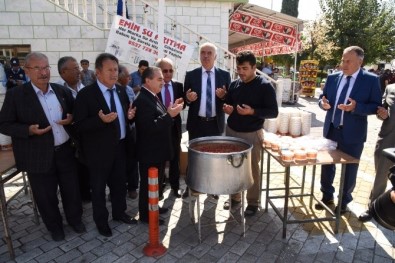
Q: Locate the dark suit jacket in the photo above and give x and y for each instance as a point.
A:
(193, 81)
(178, 91)
(98, 139)
(21, 109)
(366, 92)
(153, 129)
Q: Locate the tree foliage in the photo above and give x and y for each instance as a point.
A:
(369, 24)
(315, 43)
(290, 7)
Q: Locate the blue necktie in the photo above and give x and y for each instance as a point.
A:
(209, 98)
(113, 108)
(342, 97)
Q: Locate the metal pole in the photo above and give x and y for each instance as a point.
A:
(161, 28)
(296, 58)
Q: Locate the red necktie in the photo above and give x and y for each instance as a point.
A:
(167, 95)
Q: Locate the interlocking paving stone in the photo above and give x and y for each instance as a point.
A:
(69, 256)
(70, 244)
(127, 258)
(85, 258)
(108, 257)
(229, 257)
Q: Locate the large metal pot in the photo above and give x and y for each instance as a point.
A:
(219, 172)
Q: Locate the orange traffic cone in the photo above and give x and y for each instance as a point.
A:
(153, 248)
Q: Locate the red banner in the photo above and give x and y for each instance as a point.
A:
(265, 29)
(266, 49)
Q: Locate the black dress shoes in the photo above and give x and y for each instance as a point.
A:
(365, 216)
(216, 197)
(126, 219)
(185, 194)
(79, 228)
(318, 206)
(176, 193)
(343, 210)
(104, 230)
(163, 210)
(230, 202)
(57, 235)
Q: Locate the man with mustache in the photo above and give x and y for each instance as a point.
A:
(38, 117)
(69, 72)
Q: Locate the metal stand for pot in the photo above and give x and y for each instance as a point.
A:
(191, 213)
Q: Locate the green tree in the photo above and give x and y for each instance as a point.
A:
(290, 7)
(315, 43)
(369, 24)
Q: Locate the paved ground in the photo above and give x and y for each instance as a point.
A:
(263, 242)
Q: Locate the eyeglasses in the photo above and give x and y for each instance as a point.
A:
(167, 70)
(39, 69)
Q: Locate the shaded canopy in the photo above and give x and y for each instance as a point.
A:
(263, 31)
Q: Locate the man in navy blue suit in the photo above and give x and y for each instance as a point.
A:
(205, 89)
(349, 96)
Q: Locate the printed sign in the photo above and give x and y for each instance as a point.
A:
(132, 42)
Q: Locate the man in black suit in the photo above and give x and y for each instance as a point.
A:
(68, 69)
(37, 115)
(154, 124)
(205, 89)
(102, 113)
(172, 91)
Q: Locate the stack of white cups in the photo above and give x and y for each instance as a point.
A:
(306, 122)
(283, 121)
(270, 125)
(295, 126)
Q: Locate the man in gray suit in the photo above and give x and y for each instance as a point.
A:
(386, 139)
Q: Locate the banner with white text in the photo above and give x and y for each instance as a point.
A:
(132, 42)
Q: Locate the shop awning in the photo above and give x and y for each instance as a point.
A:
(264, 31)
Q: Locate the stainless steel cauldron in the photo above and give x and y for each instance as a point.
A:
(219, 172)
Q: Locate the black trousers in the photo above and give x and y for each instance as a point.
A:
(205, 128)
(112, 172)
(132, 171)
(143, 193)
(174, 164)
(84, 181)
(62, 174)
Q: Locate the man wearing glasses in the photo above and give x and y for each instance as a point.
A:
(37, 115)
(171, 91)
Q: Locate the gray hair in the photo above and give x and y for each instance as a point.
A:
(358, 50)
(159, 63)
(208, 44)
(62, 62)
(35, 56)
